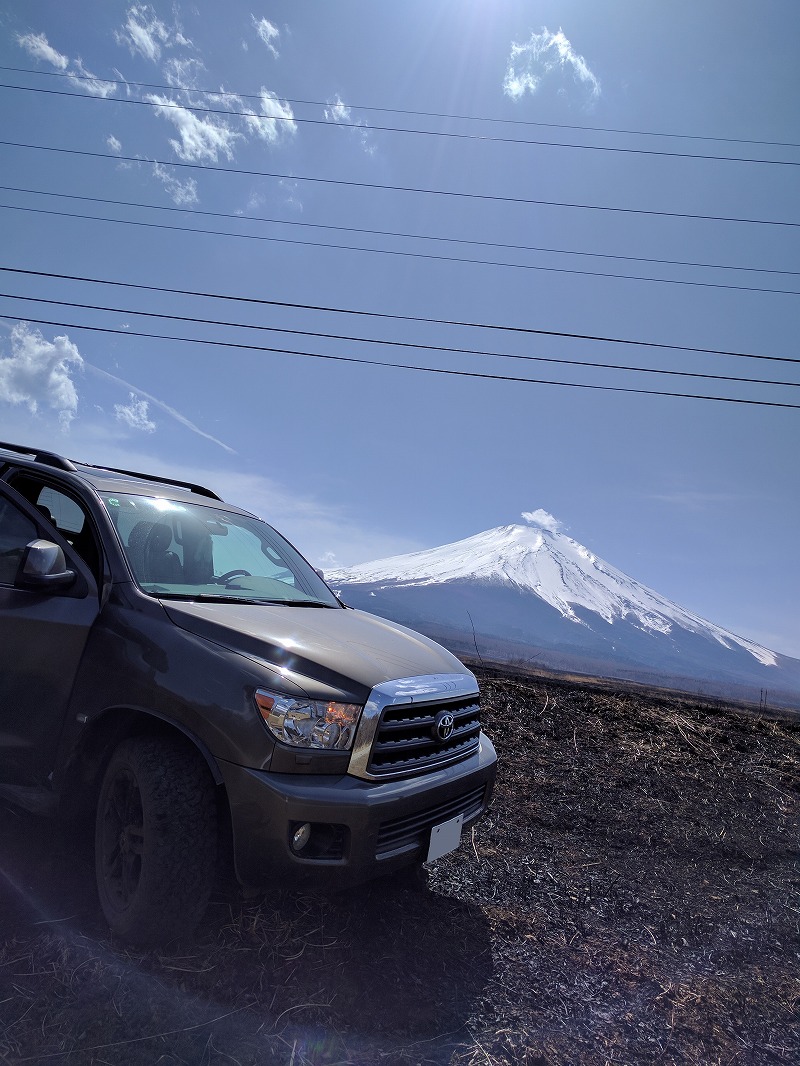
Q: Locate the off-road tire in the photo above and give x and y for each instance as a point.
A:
(155, 840)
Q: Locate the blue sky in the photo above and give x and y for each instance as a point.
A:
(698, 499)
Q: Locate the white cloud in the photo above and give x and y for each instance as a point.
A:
(276, 119)
(129, 92)
(38, 373)
(201, 139)
(545, 54)
(37, 46)
(206, 137)
(268, 33)
(183, 73)
(134, 414)
(181, 192)
(143, 32)
(89, 82)
(338, 112)
(114, 145)
(542, 519)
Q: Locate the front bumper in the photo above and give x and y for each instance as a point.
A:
(379, 826)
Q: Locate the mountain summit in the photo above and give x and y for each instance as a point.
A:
(529, 592)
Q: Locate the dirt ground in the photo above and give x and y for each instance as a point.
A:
(633, 896)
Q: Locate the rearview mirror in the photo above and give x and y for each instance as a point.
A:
(44, 566)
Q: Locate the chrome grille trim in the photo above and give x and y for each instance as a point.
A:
(418, 695)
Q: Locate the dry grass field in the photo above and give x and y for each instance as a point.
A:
(633, 896)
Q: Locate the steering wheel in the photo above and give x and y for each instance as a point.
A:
(225, 578)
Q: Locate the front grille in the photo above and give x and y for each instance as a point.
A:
(413, 831)
(406, 740)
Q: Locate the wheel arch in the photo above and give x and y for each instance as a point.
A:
(81, 777)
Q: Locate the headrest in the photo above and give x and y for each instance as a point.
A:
(159, 537)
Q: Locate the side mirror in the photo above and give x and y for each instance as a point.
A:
(44, 566)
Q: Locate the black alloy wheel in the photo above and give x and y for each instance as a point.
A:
(155, 840)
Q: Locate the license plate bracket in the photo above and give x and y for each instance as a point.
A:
(445, 837)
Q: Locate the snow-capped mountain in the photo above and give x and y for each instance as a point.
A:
(531, 592)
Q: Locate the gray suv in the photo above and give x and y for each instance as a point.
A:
(171, 667)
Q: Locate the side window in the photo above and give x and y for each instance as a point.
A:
(66, 514)
(16, 531)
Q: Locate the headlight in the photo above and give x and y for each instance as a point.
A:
(309, 723)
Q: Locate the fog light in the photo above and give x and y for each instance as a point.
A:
(301, 836)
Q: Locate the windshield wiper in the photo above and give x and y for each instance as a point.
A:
(205, 597)
(307, 603)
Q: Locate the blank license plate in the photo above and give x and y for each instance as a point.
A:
(445, 837)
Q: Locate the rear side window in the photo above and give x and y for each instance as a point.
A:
(66, 514)
(62, 511)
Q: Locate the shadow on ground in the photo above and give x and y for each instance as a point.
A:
(380, 974)
(633, 896)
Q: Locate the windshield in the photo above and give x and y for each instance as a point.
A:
(186, 551)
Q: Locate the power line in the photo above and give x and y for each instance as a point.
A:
(450, 134)
(394, 343)
(525, 330)
(399, 252)
(401, 111)
(405, 366)
(489, 197)
(392, 233)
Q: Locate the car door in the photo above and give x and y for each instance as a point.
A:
(43, 632)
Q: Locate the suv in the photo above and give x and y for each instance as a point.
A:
(171, 667)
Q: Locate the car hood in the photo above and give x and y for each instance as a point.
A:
(327, 652)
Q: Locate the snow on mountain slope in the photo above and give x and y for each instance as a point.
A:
(558, 570)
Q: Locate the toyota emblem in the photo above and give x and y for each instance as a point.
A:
(443, 726)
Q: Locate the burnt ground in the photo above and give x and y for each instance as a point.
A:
(633, 896)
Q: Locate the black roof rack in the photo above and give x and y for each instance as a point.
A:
(39, 456)
(201, 490)
(60, 463)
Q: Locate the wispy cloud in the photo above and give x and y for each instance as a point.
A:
(338, 112)
(184, 72)
(137, 392)
(268, 33)
(114, 144)
(201, 139)
(207, 138)
(39, 373)
(90, 83)
(275, 120)
(134, 414)
(38, 47)
(143, 32)
(182, 192)
(200, 136)
(546, 55)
